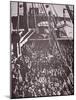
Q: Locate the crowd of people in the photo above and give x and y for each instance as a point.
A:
(68, 51)
(37, 72)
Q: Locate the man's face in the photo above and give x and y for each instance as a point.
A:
(27, 59)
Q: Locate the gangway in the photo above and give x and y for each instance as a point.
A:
(25, 38)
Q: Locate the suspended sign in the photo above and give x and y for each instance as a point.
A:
(43, 23)
(21, 9)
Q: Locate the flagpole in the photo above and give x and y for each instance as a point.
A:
(18, 48)
(18, 17)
